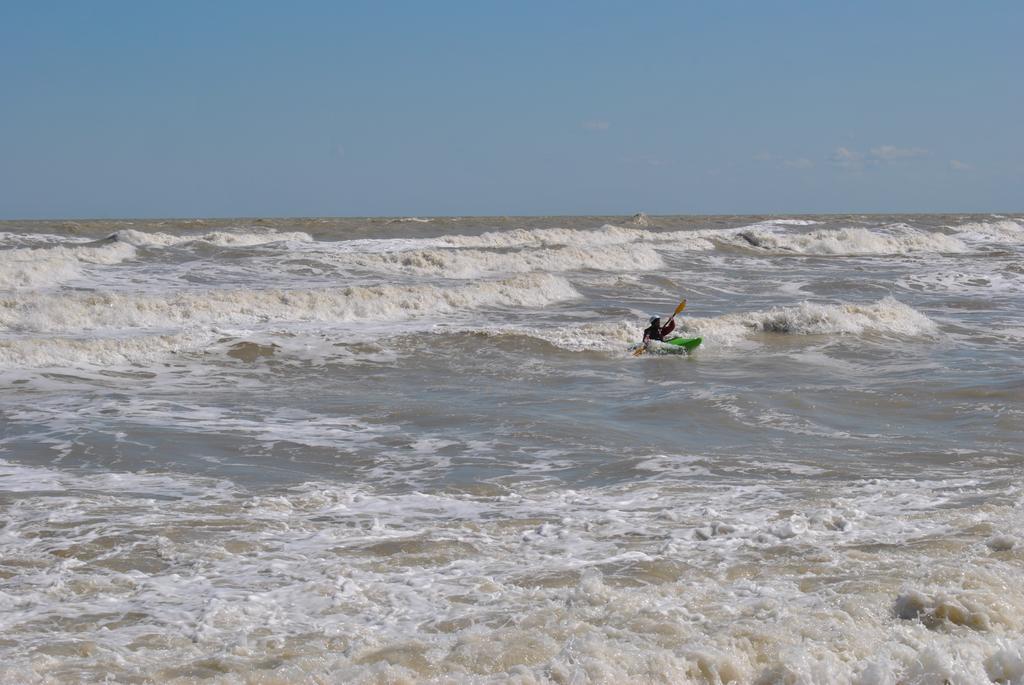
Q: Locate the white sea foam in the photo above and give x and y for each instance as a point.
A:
(640, 219)
(68, 352)
(895, 240)
(609, 337)
(526, 238)
(951, 280)
(75, 313)
(369, 245)
(606, 235)
(410, 220)
(163, 578)
(1005, 232)
(885, 317)
(471, 263)
(792, 222)
(9, 239)
(613, 336)
(41, 267)
(770, 223)
(283, 425)
(219, 238)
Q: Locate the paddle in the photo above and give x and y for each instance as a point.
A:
(682, 305)
(680, 308)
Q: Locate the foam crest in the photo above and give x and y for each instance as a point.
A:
(41, 267)
(73, 313)
(410, 220)
(792, 222)
(888, 316)
(885, 317)
(218, 238)
(527, 238)
(8, 239)
(1006, 232)
(605, 337)
(608, 337)
(850, 241)
(547, 237)
(470, 263)
(768, 224)
(64, 352)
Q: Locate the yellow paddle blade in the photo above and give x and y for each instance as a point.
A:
(639, 351)
(680, 308)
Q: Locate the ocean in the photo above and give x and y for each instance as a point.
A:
(421, 450)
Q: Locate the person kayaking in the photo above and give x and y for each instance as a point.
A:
(655, 331)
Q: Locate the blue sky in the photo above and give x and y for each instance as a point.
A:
(134, 109)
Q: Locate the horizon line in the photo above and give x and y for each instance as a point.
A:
(228, 217)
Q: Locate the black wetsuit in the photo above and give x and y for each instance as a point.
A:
(655, 332)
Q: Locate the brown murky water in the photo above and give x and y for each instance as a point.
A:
(345, 450)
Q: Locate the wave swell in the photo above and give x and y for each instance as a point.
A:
(218, 238)
(42, 267)
(888, 316)
(74, 313)
(885, 317)
(1004, 232)
(470, 263)
(606, 235)
(848, 241)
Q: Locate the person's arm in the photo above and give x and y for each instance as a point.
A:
(669, 327)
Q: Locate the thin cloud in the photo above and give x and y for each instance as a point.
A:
(847, 158)
(596, 125)
(800, 163)
(890, 153)
(957, 165)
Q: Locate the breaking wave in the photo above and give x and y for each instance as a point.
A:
(73, 313)
(848, 241)
(50, 352)
(470, 263)
(410, 220)
(218, 238)
(792, 222)
(606, 337)
(885, 317)
(8, 239)
(1005, 232)
(888, 316)
(41, 267)
(606, 235)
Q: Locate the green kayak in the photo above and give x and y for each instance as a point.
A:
(673, 346)
(689, 344)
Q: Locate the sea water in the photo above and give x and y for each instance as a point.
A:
(420, 450)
